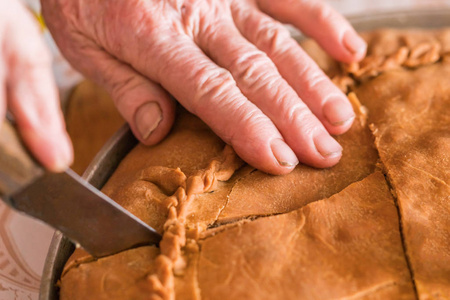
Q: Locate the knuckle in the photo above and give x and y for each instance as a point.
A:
(312, 77)
(271, 35)
(210, 85)
(252, 65)
(204, 17)
(300, 117)
(315, 81)
(120, 88)
(208, 31)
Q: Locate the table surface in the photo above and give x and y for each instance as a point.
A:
(24, 242)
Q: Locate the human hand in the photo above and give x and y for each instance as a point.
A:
(27, 88)
(227, 61)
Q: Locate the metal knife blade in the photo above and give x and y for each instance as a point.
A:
(82, 213)
(67, 202)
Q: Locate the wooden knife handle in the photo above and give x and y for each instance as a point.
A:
(17, 167)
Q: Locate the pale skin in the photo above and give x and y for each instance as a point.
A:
(28, 90)
(230, 62)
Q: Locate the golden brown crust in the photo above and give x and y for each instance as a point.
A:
(122, 276)
(388, 49)
(410, 114)
(321, 251)
(216, 213)
(175, 245)
(261, 194)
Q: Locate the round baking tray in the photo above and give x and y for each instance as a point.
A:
(97, 173)
(123, 141)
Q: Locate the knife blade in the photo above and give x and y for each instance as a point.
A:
(67, 202)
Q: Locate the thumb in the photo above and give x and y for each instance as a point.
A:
(145, 105)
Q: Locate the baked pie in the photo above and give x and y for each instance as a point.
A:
(375, 226)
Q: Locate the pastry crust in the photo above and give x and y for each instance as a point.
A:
(122, 276)
(321, 251)
(232, 232)
(412, 132)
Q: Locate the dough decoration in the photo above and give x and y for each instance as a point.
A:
(413, 50)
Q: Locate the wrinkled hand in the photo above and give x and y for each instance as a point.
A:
(227, 61)
(27, 88)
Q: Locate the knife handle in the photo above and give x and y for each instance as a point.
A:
(17, 167)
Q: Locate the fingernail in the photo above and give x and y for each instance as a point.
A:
(147, 118)
(284, 154)
(65, 157)
(338, 111)
(354, 43)
(326, 145)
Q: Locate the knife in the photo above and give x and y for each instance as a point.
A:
(67, 202)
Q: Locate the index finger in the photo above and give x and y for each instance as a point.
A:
(32, 95)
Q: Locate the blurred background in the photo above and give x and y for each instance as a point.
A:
(24, 242)
(352, 7)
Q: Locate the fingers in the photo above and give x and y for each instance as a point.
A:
(321, 22)
(258, 79)
(31, 93)
(145, 105)
(165, 52)
(211, 93)
(324, 99)
(176, 62)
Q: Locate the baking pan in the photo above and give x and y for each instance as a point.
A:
(123, 141)
(98, 172)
